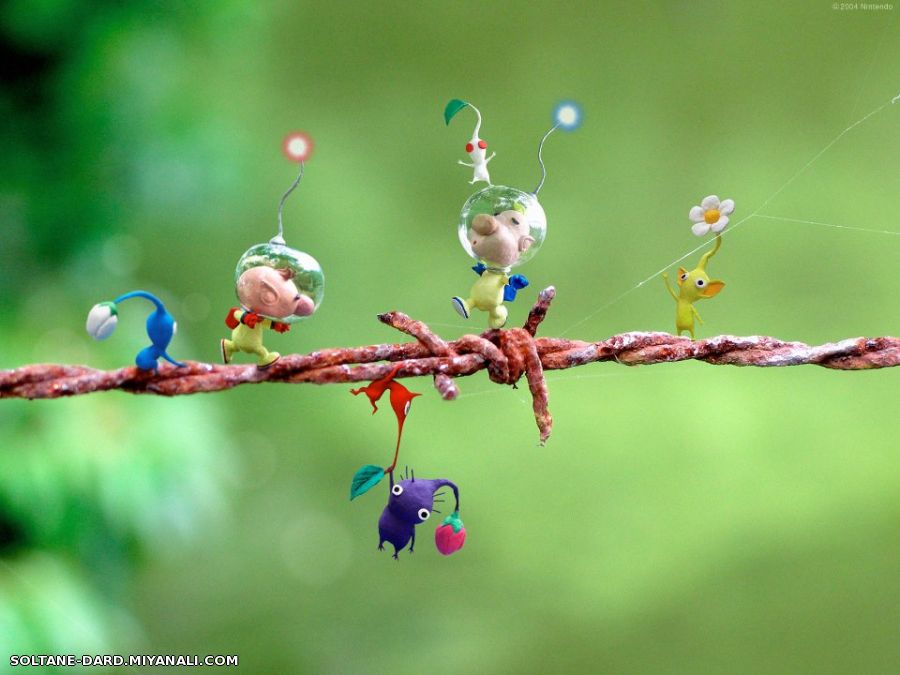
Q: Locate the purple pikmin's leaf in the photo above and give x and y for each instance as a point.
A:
(365, 479)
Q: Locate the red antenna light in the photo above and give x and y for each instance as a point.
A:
(297, 146)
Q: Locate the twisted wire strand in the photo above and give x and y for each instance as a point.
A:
(505, 354)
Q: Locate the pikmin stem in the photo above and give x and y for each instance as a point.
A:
(396, 451)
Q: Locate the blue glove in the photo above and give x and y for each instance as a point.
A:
(479, 269)
(516, 283)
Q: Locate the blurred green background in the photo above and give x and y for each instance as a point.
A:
(682, 519)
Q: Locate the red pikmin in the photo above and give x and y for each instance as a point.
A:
(401, 399)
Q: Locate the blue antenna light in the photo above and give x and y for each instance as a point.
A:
(567, 115)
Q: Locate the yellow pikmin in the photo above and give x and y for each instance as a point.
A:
(693, 286)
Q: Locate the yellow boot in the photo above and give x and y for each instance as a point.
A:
(498, 316)
(227, 347)
(462, 307)
(266, 358)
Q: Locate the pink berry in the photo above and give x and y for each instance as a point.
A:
(448, 540)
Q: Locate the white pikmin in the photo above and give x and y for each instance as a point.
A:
(477, 149)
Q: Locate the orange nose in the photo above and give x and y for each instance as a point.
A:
(484, 224)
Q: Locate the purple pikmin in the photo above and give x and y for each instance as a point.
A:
(410, 503)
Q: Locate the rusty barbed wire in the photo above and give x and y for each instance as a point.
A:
(506, 354)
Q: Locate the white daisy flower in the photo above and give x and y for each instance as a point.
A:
(712, 214)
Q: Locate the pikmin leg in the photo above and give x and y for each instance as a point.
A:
(168, 358)
(147, 359)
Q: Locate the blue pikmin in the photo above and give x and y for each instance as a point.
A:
(160, 329)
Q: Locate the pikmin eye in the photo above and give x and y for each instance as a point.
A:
(482, 144)
(469, 147)
(683, 277)
(700, 283)
(423, 514)
(397, 490)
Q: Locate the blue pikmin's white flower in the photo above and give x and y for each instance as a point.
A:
(102, 320)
